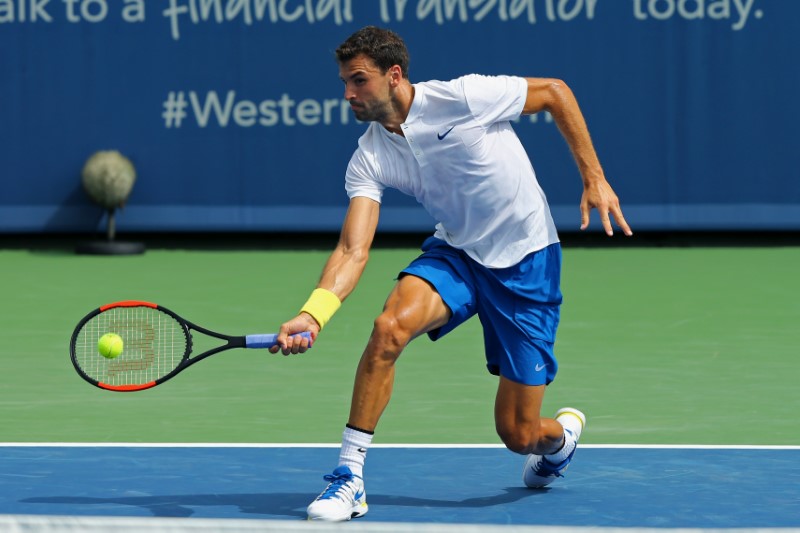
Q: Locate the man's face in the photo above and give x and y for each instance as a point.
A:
(366, 88)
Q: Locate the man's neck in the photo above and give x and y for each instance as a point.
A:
(402, 99)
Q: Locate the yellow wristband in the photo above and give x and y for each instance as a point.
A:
(321, 305)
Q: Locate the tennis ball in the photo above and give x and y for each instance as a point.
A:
(110, 345)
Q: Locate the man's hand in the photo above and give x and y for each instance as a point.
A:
(289, 339)
(599, 195)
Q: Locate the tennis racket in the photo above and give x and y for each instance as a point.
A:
(157, 345)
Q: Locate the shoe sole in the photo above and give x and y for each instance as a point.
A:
(358, 511)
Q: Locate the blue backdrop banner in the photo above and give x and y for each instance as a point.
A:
(233, 114)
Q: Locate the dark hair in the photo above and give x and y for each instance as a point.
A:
(384, 47)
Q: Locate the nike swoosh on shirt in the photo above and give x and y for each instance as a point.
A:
(539, 368)
(443, 135)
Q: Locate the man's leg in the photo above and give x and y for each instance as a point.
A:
(518, 421)
(413, 308)
(549, 443)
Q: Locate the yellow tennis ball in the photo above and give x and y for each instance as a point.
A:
(110, 345)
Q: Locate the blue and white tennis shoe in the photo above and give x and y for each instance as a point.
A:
(538, 471)
(343, 499)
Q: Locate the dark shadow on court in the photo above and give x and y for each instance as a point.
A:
(277, 505)
(180, 506)
(511, 495)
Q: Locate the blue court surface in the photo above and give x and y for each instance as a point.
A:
(640, 487)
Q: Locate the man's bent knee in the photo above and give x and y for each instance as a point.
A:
(522, 440)
(388, 337)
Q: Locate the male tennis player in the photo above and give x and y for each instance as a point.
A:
(495, 252)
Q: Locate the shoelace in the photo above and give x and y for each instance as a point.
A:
(338, 484)
(545, 468)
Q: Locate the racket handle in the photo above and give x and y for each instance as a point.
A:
(268, 340)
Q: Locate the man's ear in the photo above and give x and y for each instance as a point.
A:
(396, 74)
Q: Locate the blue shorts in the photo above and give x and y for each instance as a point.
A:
(518, 306)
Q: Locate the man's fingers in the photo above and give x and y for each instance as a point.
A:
(620, 220)
(585, 209)
(626, 229)
(295, 343)
(605, 201)
(606, 221)
(286, 342)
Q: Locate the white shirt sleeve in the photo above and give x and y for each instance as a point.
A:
(495, 98)
(358, 180)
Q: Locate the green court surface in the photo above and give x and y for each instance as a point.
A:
(657, 345)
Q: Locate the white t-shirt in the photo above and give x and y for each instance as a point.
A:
(461, 160)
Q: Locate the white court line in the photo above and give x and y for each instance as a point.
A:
(104, 524)
(336, 445)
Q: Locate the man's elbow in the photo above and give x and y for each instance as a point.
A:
(545, 94)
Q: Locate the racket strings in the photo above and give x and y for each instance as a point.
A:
(154, 343)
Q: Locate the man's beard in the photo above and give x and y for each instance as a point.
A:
(371, 114)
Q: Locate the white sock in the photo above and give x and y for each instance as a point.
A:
(570, 441)
(573, 426)
(572, 422)
(355, 443)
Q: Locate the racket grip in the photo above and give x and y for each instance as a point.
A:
(268, 340)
